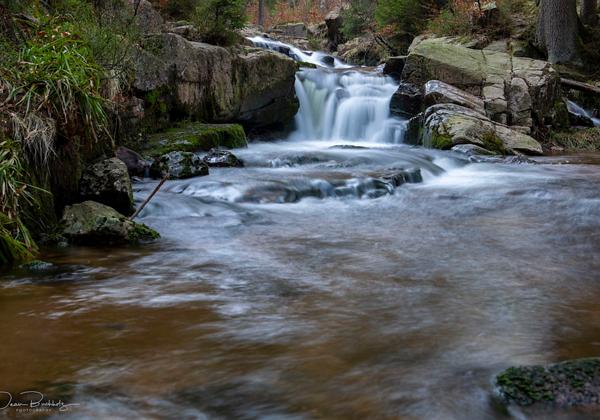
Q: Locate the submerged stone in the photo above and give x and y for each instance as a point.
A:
(179, 165)
(222, 158)
(570, 383)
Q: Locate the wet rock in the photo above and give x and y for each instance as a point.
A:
(179, 165)
(401, 176)
(407, 100)
(250, 85)
(195, 137)
(328, 60)
(136, 164)
(96, 224)
(437, 92)
(472, 150)
(533, 86)
(394, 66)
(222, 158)
(37, 266)
(570, 383)
(108, 182)
(448, 125)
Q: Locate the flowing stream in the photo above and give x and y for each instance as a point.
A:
(340, 274)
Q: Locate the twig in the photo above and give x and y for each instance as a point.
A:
(160, 184)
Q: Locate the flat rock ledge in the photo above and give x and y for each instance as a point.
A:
(567, 384)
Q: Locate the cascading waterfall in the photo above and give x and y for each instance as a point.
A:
(348, 105)
(338, 102)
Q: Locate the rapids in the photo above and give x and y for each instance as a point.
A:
(314, 284)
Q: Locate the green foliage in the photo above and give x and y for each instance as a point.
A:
(357, 18)
(580, 140)
(181, 9)
(451, 22)
(55, 76)
(407, 15)
(217, 19)
(16, 243)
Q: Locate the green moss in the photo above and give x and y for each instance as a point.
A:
(141, 232)
(196, 137)
(572, 382)
(304, 64)
(441, 141)
(493, 143)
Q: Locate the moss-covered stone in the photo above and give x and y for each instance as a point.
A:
(195, 137)
(440, 141)
(574, 382)
(493, 143)
(96, 224)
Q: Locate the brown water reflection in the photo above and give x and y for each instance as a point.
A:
(400, 307)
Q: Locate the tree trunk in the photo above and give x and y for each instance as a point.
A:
(589, 12)
(261, 12)
(557, 30)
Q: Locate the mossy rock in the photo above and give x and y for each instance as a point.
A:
(574, 382)
(195, 137)
(93, 223)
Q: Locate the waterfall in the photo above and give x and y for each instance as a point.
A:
(340, 102)
(578, 110)
(348, 105)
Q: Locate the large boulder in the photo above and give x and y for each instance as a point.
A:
(108, 182)
(406, 101)
(516, 91)
(96, 224)
(437, 92)
(136, 164)
(447, 125)
(211, 83)
(394, 66)
(179, 165)
(566, 384)
(146, 18)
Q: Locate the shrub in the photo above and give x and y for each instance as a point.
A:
(55, 76)
(217, 19)
(452, 21)
(406, 15)
(16, 243)
(357, 18)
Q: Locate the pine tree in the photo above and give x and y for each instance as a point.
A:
(557, 30)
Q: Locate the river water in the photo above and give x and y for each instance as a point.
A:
(309, 285)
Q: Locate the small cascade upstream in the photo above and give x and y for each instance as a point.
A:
(339, 102)
(579, 110)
